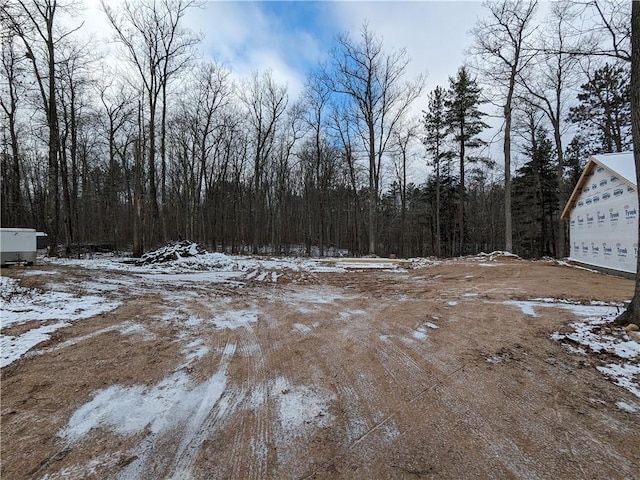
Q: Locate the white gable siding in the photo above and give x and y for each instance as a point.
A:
(603, 225)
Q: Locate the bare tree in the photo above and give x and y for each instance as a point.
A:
(341, 125)
(9, 102)
(604, 29)
(118, 106)
(35, 24)
(548, 82)
(403, 137)
(265, 102)
(316, 98)
(156, 46)
(373, 80)
(500, 46)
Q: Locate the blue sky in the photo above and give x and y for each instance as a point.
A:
(290, 38)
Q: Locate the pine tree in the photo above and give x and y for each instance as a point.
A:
(435, 137)
(464, 120)
(536, 196)
(604, 112)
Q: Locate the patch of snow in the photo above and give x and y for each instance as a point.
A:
(348, 314)
(391, 432)
(262, 277)
(131, 328)
(528, 307)
(232, 319)
(598, 335)
(624, 375)
(587, 334)
(430, 325)
(470, 295)
(493, 255)
(13, 348)
(130, 410)
(452, 303)
(193, 321)
(419, 333)
(107, 461)
(194, 350)
(629, 407)
(301, 408)
(251, 275)
(525, 307)
(572, 349)
(21, 305)
(314, 297)
(38, 273)
(229, 349)
(302, 328)
(194, 277)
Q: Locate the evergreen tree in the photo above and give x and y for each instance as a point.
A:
(464, 120)
(435, 137)
(575, 156)
(604, 112)
(536, 196)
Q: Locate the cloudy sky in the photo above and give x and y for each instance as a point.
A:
(290, 38)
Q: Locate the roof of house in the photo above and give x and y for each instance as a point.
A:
(620, 164)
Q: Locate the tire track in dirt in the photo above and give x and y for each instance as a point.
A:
(254, 434)
(237, 434)
(207, 418)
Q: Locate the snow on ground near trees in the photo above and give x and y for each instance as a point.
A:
(55, 308)
(595, 334)
(52, 310)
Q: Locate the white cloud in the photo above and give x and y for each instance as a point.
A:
(435, 34)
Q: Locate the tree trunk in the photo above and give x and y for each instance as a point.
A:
(632, 314)
(508, 229)
(461, 195)
(373, 193)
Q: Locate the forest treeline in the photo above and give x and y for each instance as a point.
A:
(148, 143)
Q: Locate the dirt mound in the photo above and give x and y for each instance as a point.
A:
(171, 252)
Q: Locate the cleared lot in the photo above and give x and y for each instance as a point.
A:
(289, 369)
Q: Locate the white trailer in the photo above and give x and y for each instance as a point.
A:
(17, 245)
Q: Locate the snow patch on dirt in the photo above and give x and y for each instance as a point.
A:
(624, 375)
(13, 348)
(232, 319)
(629, 407)
(529, 307)
(597, 335)
(302, 328)
(301, 408)
(129, 410)
(21, 305)
(419, 333)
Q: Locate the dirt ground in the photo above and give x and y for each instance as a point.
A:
(329, 375)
